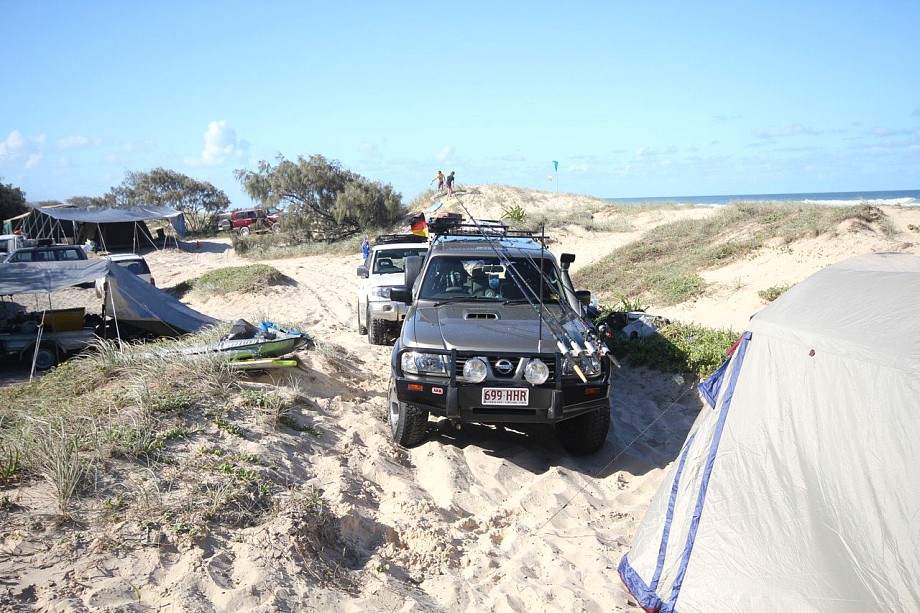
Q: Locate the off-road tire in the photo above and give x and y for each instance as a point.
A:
(408, 423)
(244, 231)
(586, 433)
(376, 330)
(361, 329)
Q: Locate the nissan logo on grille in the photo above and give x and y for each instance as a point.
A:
(504, 366)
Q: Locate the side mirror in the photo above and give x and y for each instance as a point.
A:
(401, 294)
(362, 271)
(583, 296)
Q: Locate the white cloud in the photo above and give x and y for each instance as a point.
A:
(77, 142)
(220, 145)
(33, 160)
(444, 154)
(18, 145)
(369, 150)
(793, 130)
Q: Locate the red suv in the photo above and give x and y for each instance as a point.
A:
(245, 221)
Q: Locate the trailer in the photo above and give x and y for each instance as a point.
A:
(45, 349)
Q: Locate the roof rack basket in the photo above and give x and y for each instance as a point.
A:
(487, 227)
(385, 239)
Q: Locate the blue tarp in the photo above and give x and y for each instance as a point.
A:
(112, 215)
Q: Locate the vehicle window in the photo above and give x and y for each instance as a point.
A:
(508, 279)
(138, 267)
(22, 256)
(67, 254)
(394, 260)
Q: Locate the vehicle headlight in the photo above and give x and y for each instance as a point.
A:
(381, 292)
(475, 370)
(590, 365)
(536, 372)
(420, 363)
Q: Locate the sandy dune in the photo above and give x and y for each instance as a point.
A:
(480, 519)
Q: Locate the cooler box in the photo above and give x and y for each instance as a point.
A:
(64, 320)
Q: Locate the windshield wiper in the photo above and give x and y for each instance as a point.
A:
(526, 301)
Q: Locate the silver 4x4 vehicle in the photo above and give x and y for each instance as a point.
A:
(495, 334)
(378, 316)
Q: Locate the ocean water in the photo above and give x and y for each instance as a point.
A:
(909, 197)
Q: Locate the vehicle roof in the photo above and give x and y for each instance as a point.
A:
(119, 257)
(48, 248)
(399, 246)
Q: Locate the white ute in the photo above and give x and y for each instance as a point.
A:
(383, 270)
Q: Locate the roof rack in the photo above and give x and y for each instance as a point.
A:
(487, 227)
(385, 239)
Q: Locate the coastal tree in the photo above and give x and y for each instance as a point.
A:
(322, 200)
(199, 200)
(12, 201)
(87, 201)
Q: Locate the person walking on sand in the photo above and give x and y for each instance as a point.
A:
(366, 247)
(450, 184)
(440, 180)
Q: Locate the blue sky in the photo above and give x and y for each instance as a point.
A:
(632, 98)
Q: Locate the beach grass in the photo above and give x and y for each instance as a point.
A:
(664, 266)
(148, 442)
(250, 279)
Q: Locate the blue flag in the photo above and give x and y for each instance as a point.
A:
(556, 165)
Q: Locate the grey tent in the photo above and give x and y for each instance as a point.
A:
(797, 490)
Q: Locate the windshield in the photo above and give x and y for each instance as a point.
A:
(388, 261)
(450, 277)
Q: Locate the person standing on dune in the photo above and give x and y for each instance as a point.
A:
(450, 184)
(440, 179)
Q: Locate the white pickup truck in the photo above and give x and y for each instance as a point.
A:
(10, 243)
(384, 269)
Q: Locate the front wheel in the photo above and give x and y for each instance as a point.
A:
(586, 433)
(244, 231)
(362, 329)
(376, 330)
(408, 423)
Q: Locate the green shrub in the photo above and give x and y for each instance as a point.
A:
(681, 348)
(514, 213)
(238, 279)
(772, 293)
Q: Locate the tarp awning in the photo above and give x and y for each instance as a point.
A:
(36, 277)
(131, 299)
(113, 215)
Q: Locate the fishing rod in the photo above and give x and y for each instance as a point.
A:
(556, 328)
(526, 290)
(567, 307)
